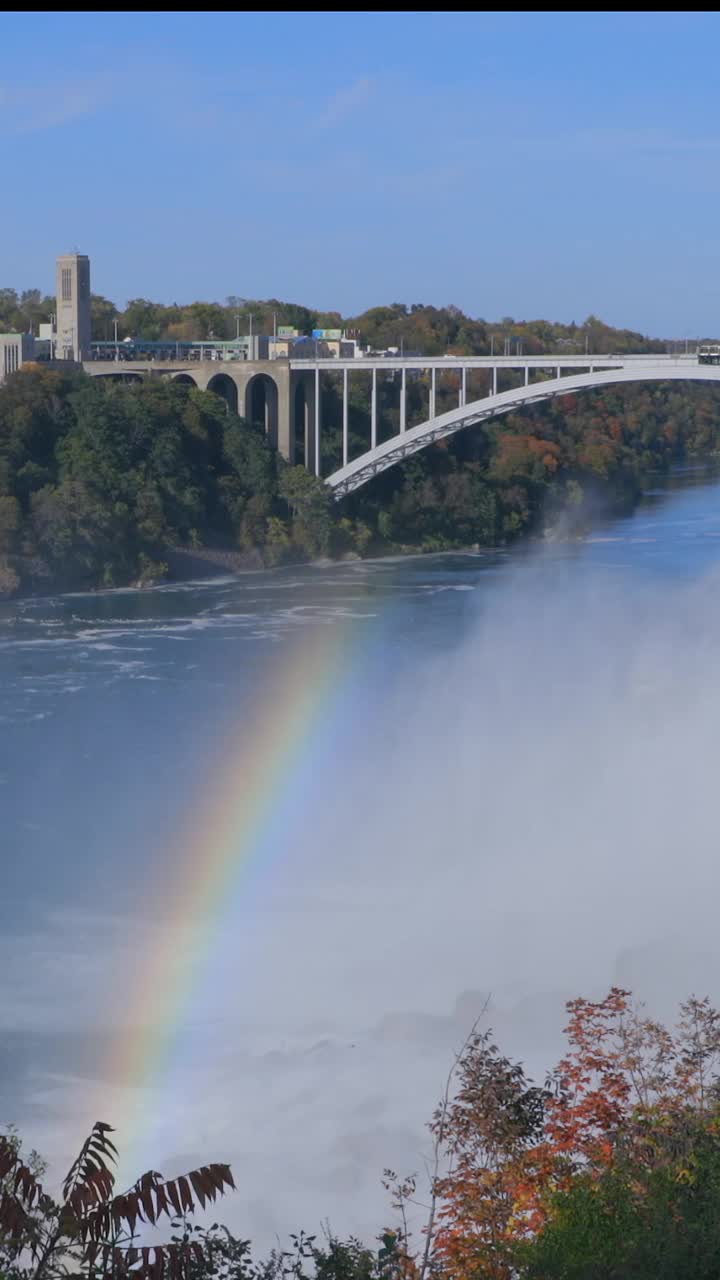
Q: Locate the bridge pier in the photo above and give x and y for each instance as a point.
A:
(345, 417)
(403, 401)
(310, 424)
(318, 404)
(373, 410)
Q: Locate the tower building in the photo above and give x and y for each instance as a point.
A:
(72, 290)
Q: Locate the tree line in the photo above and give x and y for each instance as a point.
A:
(607, 1170)
(416, 327)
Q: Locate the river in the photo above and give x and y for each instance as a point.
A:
(271, 842)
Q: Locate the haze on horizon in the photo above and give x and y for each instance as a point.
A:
(515, 164)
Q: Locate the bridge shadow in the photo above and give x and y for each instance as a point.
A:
(224, 386)
(261, 405)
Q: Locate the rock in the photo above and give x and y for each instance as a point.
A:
(9, 580)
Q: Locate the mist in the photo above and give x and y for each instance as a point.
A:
(521, 809)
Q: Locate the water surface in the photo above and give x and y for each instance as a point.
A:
(510, 789)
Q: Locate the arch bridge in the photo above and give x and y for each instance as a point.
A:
(285, 396)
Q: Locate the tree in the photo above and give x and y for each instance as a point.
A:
(309, 501)
(10, 521)
(493, 1134)
(90, 1227)
(103, 313)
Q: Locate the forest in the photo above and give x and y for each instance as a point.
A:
(105, 483)
(608, 1170)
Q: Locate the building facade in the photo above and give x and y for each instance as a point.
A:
(15, 349)
(72, 288)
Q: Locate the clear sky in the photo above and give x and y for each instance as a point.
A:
(514, 164)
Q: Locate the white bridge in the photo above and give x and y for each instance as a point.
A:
(287, 394)
(567, 374)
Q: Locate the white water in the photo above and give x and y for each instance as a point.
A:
(523, 804)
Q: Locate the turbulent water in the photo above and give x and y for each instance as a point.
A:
(515, 794)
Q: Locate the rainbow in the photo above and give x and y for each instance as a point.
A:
(248, 802)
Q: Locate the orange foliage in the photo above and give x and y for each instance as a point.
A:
(624, 1084)
(518, 454)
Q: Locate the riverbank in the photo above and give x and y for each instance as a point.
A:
(28, 578)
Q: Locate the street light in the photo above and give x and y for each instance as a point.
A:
(249, 316)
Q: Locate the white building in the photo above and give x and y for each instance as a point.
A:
(15, 350)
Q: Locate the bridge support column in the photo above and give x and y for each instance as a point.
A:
(345, 417)
(284, 427)
(527, 375)
(403, 401)
(432, 392)
(373, 410)
(463, 388)
(494, 390)
(308, 424)
(317, 422)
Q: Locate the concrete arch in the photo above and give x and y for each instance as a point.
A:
(226, 387)
(362, 469)
(184, 379)
(261, 405)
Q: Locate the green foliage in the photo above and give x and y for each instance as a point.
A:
(10, 521)
(642, 1224)
(98, 478)
(22, 313)
(309, 502)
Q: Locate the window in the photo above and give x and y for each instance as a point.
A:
(66, 284)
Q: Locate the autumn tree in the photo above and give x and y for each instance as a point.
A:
(610, 1169)
(91, 1229)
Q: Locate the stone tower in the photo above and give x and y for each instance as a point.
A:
(73, 307)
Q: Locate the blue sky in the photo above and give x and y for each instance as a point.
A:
(514, 164)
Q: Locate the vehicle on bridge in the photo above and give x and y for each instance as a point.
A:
(139, 349)
(709, 353)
